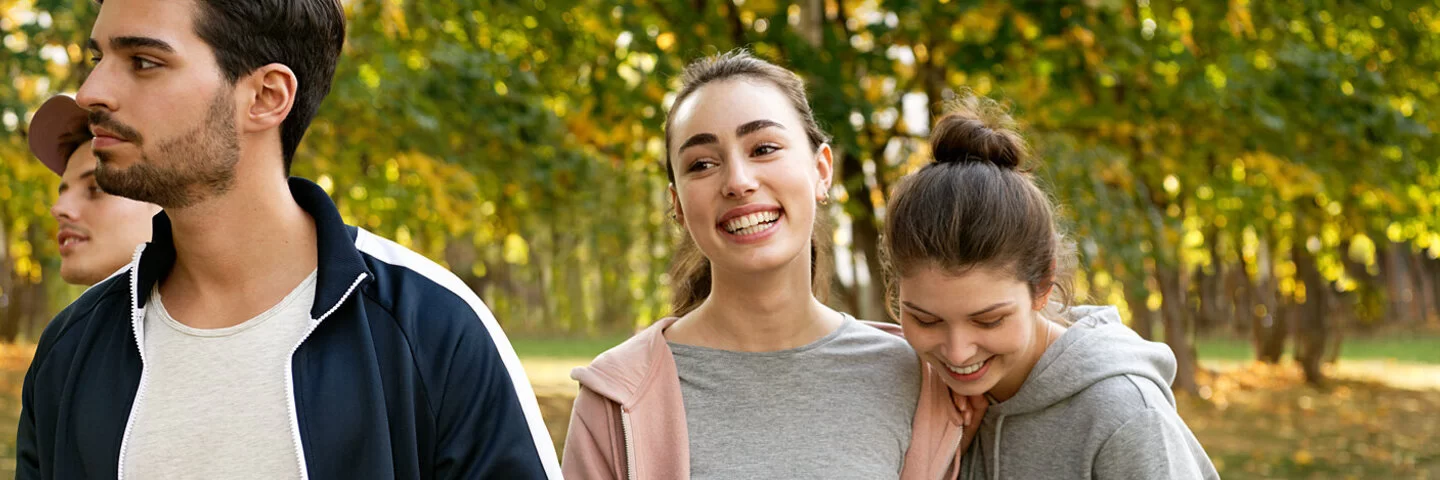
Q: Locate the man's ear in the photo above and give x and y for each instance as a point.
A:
(267, 95)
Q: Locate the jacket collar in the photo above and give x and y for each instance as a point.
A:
(340, 265)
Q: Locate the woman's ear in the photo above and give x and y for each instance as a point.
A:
(825, 166)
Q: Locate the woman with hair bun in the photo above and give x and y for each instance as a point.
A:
(979, 285)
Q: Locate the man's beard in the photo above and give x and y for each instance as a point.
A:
(191, 168)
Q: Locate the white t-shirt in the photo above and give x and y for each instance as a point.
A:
(214, 402)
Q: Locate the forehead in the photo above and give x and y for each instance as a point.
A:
(170, 21)
(719, 107)
(935, 287)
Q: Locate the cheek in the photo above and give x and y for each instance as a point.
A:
(1009, 339)
(923, 338)
(116, 214)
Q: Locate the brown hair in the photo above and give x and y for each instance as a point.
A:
(689, 269)
(977, 204)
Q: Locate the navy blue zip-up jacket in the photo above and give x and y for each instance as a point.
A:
(404, 374)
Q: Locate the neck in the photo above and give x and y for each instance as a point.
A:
(758, 312)
(1045, 334)
(239, 253)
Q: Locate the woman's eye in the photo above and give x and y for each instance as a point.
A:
(700, 165)
(993, 323)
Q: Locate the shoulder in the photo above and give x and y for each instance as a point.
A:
(97, 304)
(1115, 400)
(409, 286)
(885, 336)
(874, 339)
(875, 346)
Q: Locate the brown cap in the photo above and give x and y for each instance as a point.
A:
(58, 127)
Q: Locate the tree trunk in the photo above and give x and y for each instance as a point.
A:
(1312, 329)
(1268, 326)
(1244, 304)
(1425, 300)
(872, 287)
(865, 235)
(1176, 319)
(1142, 320)
(812, 22)
(9, 318)
(1398, 288)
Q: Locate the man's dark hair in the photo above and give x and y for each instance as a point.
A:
(305, 35)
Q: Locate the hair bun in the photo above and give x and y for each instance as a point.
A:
(976, 129)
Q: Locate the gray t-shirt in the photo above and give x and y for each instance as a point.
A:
(215, 402)
(840, 407)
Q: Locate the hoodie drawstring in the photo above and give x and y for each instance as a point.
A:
(999, 429)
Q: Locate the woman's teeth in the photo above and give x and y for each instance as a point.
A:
(968, 369)
(752, 223)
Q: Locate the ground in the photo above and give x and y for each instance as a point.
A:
(1378, 417)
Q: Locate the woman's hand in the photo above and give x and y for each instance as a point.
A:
(972, 410)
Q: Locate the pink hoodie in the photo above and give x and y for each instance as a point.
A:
(629, 418)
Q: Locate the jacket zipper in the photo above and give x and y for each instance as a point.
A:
(629, 445)
(290, 379)
(137, 325)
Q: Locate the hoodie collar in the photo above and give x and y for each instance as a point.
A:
(1096, 346)
(340, 266)
(624, 373)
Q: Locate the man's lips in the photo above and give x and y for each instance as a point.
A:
(69, 239)
(105, 138)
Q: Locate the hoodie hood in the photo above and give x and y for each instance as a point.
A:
(1099, 400)
(1096, 346)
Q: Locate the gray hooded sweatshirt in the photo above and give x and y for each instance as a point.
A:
(1097, 405)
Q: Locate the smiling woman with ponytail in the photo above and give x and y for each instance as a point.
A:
(752, 376)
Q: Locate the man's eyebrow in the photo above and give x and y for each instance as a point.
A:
(132, 42)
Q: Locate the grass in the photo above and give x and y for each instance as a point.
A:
(1262, 421)
(1418, 348)
(563, 347)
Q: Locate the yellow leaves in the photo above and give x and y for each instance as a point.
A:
(665, 41)
(402, 237)
(1027, 27)
(1082, 35)
(1395, 232)
(516, 251)
(1215, 76)
(1239, 19)
(369, 77)
(392, 19)
(1262, 60)
(1263, 420)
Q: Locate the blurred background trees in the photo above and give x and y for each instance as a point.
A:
(1258, 169)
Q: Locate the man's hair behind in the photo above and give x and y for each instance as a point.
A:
(305, 35)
